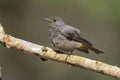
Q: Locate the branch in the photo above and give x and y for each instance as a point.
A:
(48, 53)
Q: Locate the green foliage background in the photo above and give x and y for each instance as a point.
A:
(98, 20)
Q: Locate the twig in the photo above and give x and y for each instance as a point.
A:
(48, 53)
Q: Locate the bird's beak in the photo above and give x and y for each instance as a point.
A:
(47, 19)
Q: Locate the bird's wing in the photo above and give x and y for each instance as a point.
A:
(75, 36)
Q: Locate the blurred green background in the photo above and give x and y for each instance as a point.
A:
(98, 20)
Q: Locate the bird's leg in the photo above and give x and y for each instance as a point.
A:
(69, 55)
(71, 52)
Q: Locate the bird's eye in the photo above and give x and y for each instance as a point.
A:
(54, 20)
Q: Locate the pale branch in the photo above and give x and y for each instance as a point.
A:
(48, 53)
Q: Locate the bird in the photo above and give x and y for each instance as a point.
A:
(60, 42)
(68, 37)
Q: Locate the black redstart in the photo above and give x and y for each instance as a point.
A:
(67, 38)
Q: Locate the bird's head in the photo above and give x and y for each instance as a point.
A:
(54, 21)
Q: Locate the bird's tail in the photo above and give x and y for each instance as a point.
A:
(97, 51)
(84, 48)
(80, 47)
